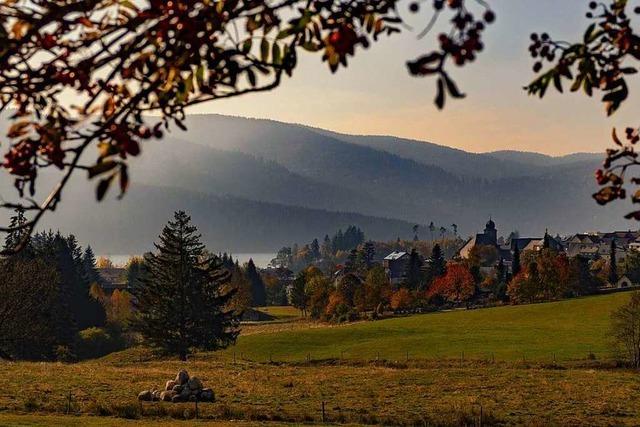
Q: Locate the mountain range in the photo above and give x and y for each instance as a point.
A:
(256, 185)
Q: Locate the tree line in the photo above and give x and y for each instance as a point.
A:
(178, 298)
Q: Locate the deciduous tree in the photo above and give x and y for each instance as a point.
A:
(457, 285)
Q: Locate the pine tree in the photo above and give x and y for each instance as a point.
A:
(258, 290)
(13, 239)
(369, 251)
(327, 249)
(182, 304)
(315, 249)
(613, 264)
(436, 265)
(89, 270)
(413, 273)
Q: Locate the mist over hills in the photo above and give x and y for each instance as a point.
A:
(256, 185)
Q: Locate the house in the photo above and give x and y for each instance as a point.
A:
(505, 250)
(537, 245)
(488, 238)
(598, 245)
(395, 265)
(113, 278)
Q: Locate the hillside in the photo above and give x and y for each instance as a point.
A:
(566, 330)
(313, 172)
(226, 223)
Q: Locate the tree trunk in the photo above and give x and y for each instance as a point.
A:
(183, 355)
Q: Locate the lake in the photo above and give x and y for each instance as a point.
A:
(261, 260)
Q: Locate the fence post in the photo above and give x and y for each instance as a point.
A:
(196, 407)
(323, 413)
(69, 403)
(234, 357)
(407, 355)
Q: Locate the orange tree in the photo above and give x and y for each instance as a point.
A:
(456, 286)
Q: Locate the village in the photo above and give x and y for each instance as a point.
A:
(493, 266)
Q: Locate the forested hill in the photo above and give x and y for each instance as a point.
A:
(254, 185)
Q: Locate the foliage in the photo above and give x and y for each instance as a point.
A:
(413, 275)
(258, 291)
(436, 265)
(456, 286)
(401, 299)
(377, 290)
(104, 262)
(136, 271)
(29, 294)
(613, 263)
(602, 61)
(625, 328)
(97, 342)
(298, 296)
(318, 290)
(182, 304)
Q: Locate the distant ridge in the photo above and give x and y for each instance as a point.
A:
(255, 184)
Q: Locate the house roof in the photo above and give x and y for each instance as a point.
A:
(113, 276)
(393, 256)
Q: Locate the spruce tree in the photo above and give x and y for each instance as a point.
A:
(413, 276)
(89, 271)
(369, 253)
(515, 266)
(258, 290)
(436, 265)
(182, 304)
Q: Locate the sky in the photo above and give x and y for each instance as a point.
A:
(376, 96)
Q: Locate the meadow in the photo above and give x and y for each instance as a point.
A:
(565, 330)
(435, 386)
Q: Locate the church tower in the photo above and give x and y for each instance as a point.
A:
(491, 233)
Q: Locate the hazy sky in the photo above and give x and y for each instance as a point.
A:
(375, 95)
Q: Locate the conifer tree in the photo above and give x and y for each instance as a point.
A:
(13, 238)
(182, 304)
(89, 270)
(613, 264)
(413, 273)
(515, 266)
(369, 251)
(258, 290)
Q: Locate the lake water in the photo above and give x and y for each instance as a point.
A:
(261, 260)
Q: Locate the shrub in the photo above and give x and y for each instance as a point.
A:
(97, 342)
(65, 354)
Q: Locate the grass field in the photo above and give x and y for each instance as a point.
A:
(566, 330)
(443, 390)
(282, 312)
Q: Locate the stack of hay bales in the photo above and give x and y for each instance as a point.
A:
(181, 389)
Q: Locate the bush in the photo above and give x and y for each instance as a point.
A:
(65, 354)
(98, 342)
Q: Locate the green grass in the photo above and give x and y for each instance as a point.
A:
(566, 330)
(281, 312)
